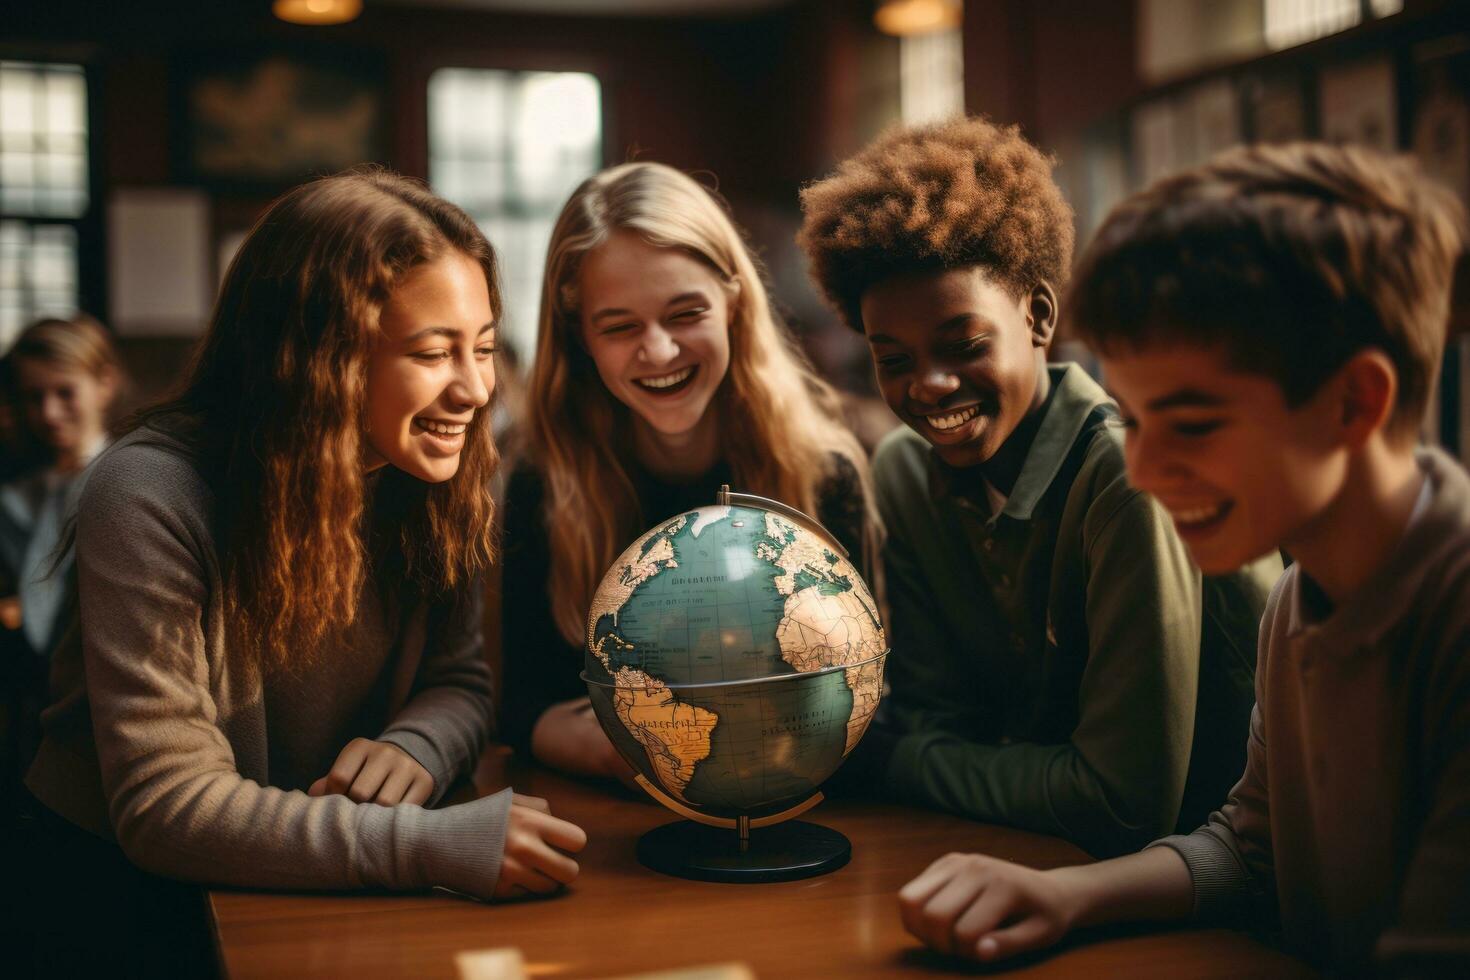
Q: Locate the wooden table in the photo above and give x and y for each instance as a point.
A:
(620, 918)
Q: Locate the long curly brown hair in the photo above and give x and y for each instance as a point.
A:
(275, 401)
(941, 196)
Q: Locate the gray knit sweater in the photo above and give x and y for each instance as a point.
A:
(1353, 816)
(162, 736)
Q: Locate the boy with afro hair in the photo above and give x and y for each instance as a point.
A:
(1273, 323)
(1058, 664)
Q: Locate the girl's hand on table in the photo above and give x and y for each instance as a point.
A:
(569, 737)
(368, 771)
(537, 850)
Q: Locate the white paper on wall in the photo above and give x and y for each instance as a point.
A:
(159, 261)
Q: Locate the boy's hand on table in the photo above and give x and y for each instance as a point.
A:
(367, 771)
(985, 909)
(537, 850)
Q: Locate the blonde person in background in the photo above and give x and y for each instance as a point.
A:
(661, 372)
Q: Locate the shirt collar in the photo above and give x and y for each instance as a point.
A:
(1074, 395)
(1437, 526)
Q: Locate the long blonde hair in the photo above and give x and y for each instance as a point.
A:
(779, 422)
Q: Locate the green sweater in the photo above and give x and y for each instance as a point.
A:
(1060, 666)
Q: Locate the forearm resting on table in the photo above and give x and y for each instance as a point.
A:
(1056, 789)
(568, 737)
(549, 747)
(1153, 885)
(986, 908)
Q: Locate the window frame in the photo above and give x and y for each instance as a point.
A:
(91, 279)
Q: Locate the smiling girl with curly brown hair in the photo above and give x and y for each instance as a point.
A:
(277, 669)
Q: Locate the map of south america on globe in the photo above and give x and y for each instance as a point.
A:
(676, 736)
(730, 594)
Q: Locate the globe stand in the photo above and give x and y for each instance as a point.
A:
(703, 848)
(786, 852)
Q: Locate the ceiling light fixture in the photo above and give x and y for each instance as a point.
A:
(902, 17)
(317, 11)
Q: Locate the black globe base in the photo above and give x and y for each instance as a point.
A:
(782, 852)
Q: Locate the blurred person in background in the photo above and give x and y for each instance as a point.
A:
(61, 382)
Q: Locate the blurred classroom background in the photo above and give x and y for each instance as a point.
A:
(140, 140)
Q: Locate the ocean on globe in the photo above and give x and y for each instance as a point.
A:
(735, 657)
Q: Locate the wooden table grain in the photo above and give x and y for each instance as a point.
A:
(621, 918)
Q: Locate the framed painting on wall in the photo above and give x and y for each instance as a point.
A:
(266, 120)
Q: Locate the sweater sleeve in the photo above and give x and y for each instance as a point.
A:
(1431, 932)
(540, 667)
(177, 804)
(1230, 857)
(1117, 782)
(446, 722)
(926, 659)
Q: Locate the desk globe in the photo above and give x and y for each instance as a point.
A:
(735, 657)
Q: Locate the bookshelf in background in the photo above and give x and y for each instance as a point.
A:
(1400, 83)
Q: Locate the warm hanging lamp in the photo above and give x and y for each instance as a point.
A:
(903, 17)
(317, 11)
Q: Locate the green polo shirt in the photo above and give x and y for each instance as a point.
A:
(1060, 665)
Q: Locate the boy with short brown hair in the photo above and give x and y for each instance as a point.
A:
(1271, 325)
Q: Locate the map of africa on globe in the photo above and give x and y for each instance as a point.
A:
(734, 657)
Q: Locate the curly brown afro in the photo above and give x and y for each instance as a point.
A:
(936, 197)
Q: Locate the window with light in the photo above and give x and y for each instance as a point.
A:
(509, 147)
(44, 190)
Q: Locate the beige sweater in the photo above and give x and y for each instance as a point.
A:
(1354, 810)
(163, 737)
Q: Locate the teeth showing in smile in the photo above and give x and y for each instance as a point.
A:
(441, 428)
(953, 420)
(1197, 515)
(667, 380)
